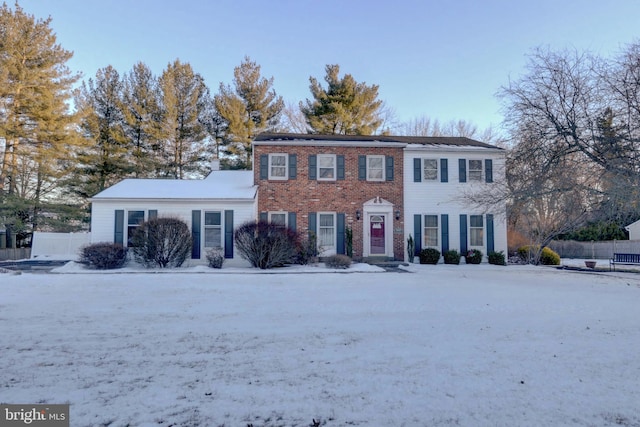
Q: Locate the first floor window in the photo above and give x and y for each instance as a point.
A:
(475, 170)
(278, 218)
(134, 219)
(476, 230)
(431, 230)
(277, 166)
(326, 231)
(430, 167)
(212, 230)
(326, 167)
(375, 168)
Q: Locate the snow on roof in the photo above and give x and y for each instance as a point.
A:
(221, 184)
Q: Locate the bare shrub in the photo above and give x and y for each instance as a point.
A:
(266, 245)
(338, 261)
(162, 242)
(104, 255)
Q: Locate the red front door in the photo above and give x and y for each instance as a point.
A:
(377, 235)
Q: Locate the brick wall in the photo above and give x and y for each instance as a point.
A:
(302, 195)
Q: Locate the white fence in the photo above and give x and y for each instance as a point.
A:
(594, 250)
(58, 245)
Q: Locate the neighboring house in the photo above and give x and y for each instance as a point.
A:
(325, 184)
(439, 172)
(634, 230)
(212, 208)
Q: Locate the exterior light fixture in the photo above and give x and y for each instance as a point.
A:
(358, 214)
(397, 214)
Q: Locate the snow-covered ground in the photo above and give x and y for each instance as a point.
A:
(440, 346)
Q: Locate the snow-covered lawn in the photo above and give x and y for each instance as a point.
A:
(441, 346)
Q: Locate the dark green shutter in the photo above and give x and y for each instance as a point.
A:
(389, 167)
(417, 170)
(293, 166)
(463, 234)
(417, 233)
(264, 166)
(462, 170)
(228, 234)
(196, 225)
(444, 219)
(292, 221)
(264, 216)
(153, 214)
(488, 170)
(313, 167)
(340, 237)
(362, 168)
(340, 167)
(490, 239)
(118, 234)
(444, 170)
(312, 224)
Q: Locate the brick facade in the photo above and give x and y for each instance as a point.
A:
(303, 195)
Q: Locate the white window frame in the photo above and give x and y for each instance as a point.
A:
(270, 216)
(131, 226)
(424, 231)
(332, 247)
(212, 227)
(333, 168)
(285, 166)
(370, 169)
(475, 175)
(472, 229)
(437, 169)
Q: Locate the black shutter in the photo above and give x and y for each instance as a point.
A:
(312, 224)
(292, 221)
(462, 170)
(488, 170)
(490, 238)
(444, 220)
(118, 233)
(389, 167)
(362, 168)
(153, 214)
(463, 234)
(444, 170)
(340, 167)
(195, 234)
(264, 216)
(313, 167)
(293, 166)
(417, 232)
(417, 170)
(340, 236)
(264, 166)
(228, 234)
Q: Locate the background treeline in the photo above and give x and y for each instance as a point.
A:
(571, 130)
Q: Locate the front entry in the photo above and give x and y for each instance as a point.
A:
(377, 235)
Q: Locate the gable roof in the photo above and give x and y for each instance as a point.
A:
(220, 185)
(419, 140)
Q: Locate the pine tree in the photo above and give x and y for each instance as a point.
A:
(35, 123)
(184, 103)
(249, 108)
(346, 107)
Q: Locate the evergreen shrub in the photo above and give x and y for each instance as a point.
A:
(429, 256)
(104, 256)
(547, 257)
(497, 258)
(451, 257)
(473, 256)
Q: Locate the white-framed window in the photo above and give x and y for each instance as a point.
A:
(278, 218)
(278, 166)
(476, 231)
(431, 231)
(327, 231)
(134, 220)
(430, 169)
(375, 168)
(213, 229)
(475, 170)
(326, 167)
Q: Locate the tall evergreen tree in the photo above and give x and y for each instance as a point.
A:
(345, 107)
(35, 123)
(249, 108)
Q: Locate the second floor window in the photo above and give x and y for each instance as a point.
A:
(430, 169)
(475, 170)
(375, 168)
(277, 166)
(326, 167)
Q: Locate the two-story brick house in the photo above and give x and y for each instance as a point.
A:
(328, 183)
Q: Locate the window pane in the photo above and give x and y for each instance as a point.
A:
(326, 173)
(375, 162)
(212, 237)
(431, 237)
(326, 161)
(326, 220)
(475, 170)
(476, 237)
(135, 217)
(475, 221)
(430, 169)
(278, 160)
(278, 219)
(431, 220)
(375, 168)
(278, 167)
(326, 238)
(212, 218)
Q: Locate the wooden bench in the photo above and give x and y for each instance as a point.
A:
(626, 259)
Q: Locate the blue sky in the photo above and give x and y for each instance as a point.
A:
(442, 59)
